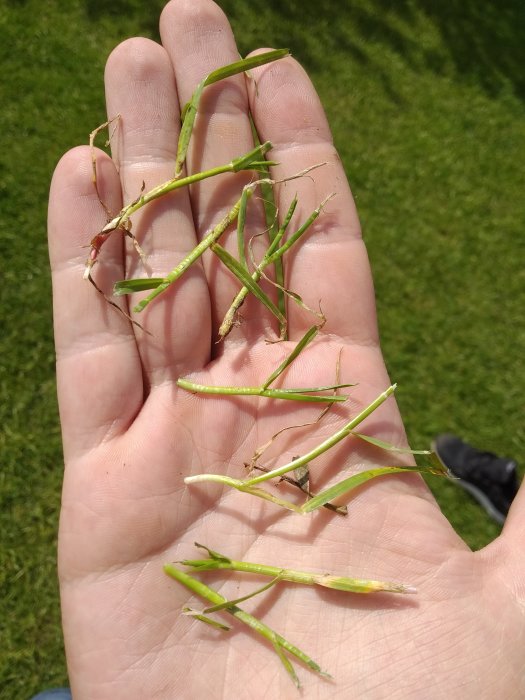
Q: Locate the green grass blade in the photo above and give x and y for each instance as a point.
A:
(208, 593)
(339, 583)
(267, 192)
(271, 219)
(190, 109)
(245, 64)
(297, 299)
(300, 231)
(288, 666)
(240, 163)
(192, 256)
(136, 285)
(292, 395)
(241, 486)
(305, 340)
(247, 281)
(207, 620)
(310, 389)
(285, 394)
(325, 497)
(242, 599)
(190, 112)
(251, 160)
(283, 228)
(326, 444)
(388, 447)
(229, 317)
(241, 220)
(212, 553)
(353, 482)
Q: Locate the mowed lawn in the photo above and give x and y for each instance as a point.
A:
(426, 102)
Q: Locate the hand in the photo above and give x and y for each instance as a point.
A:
(131, 436)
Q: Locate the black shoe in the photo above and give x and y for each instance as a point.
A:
(492, 480)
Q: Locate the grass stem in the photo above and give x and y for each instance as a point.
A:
(326, 444)
(299, 394)
(218, 561)
(279, 643)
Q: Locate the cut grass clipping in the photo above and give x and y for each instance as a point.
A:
(216, 561)
(249, 274)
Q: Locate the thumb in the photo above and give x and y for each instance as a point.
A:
(512, 539)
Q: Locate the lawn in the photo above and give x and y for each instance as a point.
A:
(426, 101)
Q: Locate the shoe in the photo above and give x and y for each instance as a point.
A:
(490, 479)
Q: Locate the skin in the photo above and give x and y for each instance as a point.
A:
(130, 435)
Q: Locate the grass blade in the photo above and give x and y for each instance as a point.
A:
(120, 222)
(245, 64)
(300, 231)
(288, 667)
(388, 447)
(310, 389)
(141, 284)
(241, 486)
(286, 394)
(307, 338)
(247, 281)
(270, 215)
(190, 109)
(207, 620)
(193, 256)
(339, 583)
(227, 323)
(356, 480)
(328, 443)
(241, 220)
(208, 593)
(242, 599)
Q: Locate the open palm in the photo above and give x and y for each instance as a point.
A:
(131, 436)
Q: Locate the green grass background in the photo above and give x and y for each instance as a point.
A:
(426, 101)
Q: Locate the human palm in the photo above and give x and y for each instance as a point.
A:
(131, 436)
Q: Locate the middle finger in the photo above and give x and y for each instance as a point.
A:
(199, 39)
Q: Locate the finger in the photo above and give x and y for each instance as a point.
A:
(198, 38)
(98, 368)
(140, 87)
(329, 265)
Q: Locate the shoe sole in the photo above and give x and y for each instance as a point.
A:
(474, 491)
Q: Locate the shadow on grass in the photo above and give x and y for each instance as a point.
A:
(484, 41)
(144, 13)
(478, 41)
